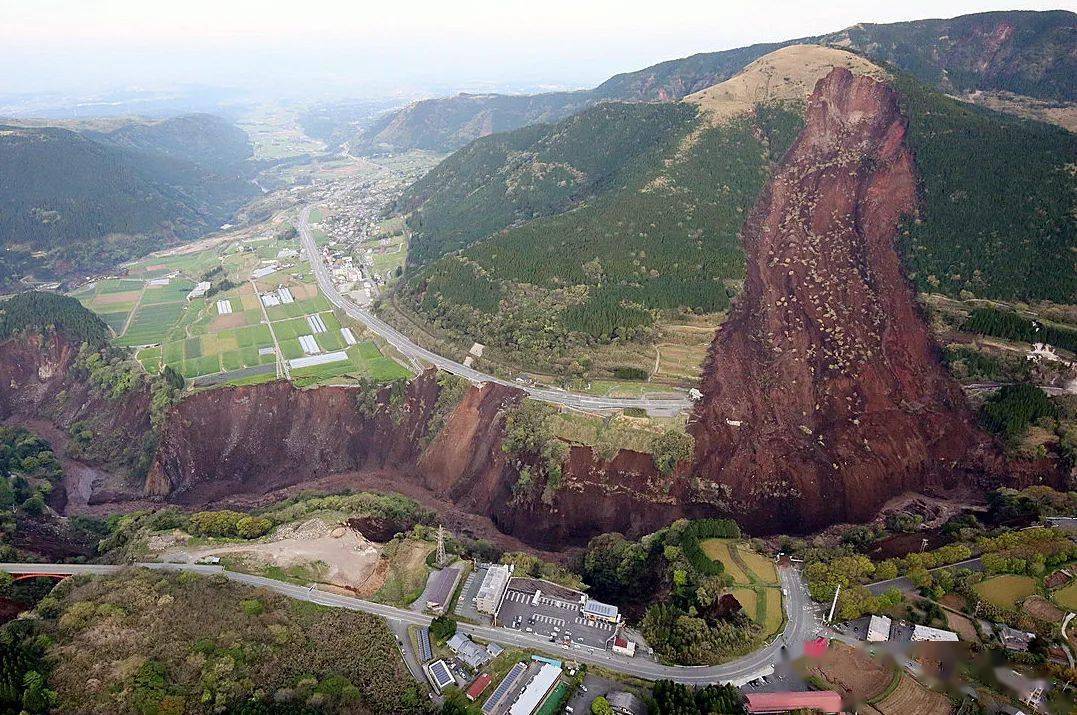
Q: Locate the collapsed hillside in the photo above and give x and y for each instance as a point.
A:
(578, 248)
(823, 392)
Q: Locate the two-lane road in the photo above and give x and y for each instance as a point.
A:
(415, 352)
(801, 624)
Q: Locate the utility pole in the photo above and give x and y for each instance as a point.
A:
(830, 618)
(441, 546)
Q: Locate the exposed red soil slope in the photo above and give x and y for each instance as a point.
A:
(823, 393)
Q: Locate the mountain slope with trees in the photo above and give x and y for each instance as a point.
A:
(73, 201)
(591, 231)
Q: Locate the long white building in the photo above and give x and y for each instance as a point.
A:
(492, 588)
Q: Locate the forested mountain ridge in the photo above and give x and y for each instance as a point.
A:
(446, 123)
(586, 254)
(204, 139)
(73, 201)
(1021, 52)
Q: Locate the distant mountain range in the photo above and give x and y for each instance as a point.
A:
(85, 196)
(1029, 54)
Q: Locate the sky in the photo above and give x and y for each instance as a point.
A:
(333, 48)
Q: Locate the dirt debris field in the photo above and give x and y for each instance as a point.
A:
(344, 557)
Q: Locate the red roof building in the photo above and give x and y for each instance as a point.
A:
(478, 685)
(824, 701)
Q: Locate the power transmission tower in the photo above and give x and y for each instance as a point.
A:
(441, 546)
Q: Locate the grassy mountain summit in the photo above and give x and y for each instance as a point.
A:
(624, 218)
(75, 200)
(1016, 52)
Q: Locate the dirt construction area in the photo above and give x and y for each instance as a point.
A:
(338, 555)
(851, 672)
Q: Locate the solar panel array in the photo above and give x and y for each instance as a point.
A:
(425, 653)
(442, 677)
(499, 693)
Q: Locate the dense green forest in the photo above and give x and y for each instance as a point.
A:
(682, 625)
(997, 196)
(38, 311)
(204, 139)
(29, 471)
(1010, 325)
(70, 202)
(646, 223)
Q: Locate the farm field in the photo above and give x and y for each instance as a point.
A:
(1006, 591)
(852, 672)
(227, 330)
(911, 697)
(1066, 597)
(756, 580)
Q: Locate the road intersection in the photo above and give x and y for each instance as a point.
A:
(409, 349)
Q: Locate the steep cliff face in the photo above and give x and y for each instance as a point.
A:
(39, 379)
(823, 392)
(254, 439)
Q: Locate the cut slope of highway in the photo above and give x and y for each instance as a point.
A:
(410, 350)
(801, 624)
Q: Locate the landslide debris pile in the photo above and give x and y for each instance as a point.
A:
(823, 393)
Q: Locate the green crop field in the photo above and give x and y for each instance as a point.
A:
(151, 323)
(195, 338)
(298, 308)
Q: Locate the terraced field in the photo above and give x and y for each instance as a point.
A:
(756, 580)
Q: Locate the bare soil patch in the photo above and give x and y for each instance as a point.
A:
(342, 554)
(1041, 609)
(852, 672)
(962, 626)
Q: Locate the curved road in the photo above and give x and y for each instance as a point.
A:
(801, 624)
(406, 347)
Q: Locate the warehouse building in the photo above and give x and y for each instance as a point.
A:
(536, 691)
(492, 589)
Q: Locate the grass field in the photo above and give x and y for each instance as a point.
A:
(1066, 597)
(619, 431)
(756, 581)
(761, 566)
(1006, 591)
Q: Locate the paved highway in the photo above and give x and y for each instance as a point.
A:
(901, 583)
(801, 624)
(409, 349)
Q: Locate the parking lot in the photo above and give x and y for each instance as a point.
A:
(465, 604)
(552, 619)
